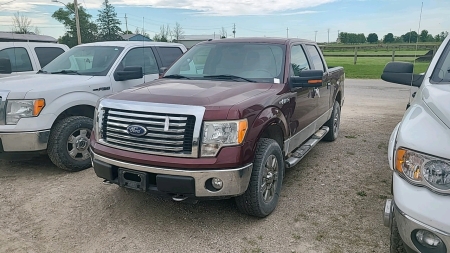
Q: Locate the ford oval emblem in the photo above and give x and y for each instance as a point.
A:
(136, 130)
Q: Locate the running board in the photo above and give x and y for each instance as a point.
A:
(304, 149)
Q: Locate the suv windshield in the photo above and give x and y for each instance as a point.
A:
(442, 71)
(84, 60)
(244, 62)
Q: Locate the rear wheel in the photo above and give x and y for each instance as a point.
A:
(333, 123)
(68, 146)
(261, 197)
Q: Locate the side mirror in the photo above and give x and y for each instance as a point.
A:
(129, 73)
(162, 70)
(5, 66)
(307, 78)
(401, 73)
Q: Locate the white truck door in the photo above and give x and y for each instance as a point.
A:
(22, 61)
(137, 57)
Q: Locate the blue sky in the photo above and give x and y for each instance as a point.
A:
(269, 18)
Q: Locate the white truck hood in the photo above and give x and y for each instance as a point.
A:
(19, 86)
(437, 98)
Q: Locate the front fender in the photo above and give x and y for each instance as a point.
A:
(263, 120)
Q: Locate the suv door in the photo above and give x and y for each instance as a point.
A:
(20, 60)
(305, 111)
(324, 92)
(137, 57)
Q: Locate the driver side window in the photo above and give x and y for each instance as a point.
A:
(299, 61)
(140, 57)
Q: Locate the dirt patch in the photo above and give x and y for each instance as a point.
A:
(331, 202)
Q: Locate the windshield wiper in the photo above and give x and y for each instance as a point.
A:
(176, 76)
(42, 71)
(65, 71)
(231, 77)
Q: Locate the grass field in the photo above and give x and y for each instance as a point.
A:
(370, 67)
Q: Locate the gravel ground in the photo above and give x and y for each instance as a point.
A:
(331, 202)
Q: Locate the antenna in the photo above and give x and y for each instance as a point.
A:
(143, 48)
(415, 55)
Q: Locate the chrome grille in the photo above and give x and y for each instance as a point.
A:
(173, 139)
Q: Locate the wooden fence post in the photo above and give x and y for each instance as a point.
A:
(356, 56)
(393, 55)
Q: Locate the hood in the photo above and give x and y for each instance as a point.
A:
(437, 98)
(22, 84)
(194, 92)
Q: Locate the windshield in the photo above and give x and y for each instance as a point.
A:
(84, 60)
(246, 62)
(441, 73)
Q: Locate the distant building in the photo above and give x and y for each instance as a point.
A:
(135, 37)
(190, 40)
(30, 37)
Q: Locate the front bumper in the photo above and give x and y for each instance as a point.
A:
(23, 145)
(407, 226)
(190, 183)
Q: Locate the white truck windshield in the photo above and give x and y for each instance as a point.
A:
(441, 73)
(84, 60)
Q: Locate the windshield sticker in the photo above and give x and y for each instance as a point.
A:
(276, 80)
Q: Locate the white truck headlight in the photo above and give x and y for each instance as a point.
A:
(217, 134)
(423, 169)
(17, 109)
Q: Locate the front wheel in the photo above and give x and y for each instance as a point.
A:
(68, 146)
(262, 194)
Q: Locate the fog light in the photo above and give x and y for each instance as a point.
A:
(428, 239)
(217, 183)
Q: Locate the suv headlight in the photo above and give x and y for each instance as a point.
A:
(427, 170)
(218, 134)
(17, 109)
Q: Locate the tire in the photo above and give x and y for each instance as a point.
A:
(397, 244)
(71, 134)
(267, 174)
(333, 123)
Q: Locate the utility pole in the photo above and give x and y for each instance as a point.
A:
(315, 37)
(328, 35)
(77, 21)
(126, 22)
(287, 32)
(234, 30)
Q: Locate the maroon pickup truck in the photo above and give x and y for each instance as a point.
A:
(225, 120)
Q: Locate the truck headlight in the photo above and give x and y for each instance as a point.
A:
(218, 134)
(17, 109)
(423, 169)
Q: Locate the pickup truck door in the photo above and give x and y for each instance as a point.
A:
(305, 110)
(139, 56)
(324, 92)
(22, 60)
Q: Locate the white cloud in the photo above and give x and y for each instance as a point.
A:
(205, 7)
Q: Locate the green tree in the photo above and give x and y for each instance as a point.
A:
(423, 36)
(127, 32)
(108, 23)
(389, 38)
(410, 37)
(163, 35)
(372, 38)
(66, 16)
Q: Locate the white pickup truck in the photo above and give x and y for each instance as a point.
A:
(51, 112)
(419, 155)
(20, 58)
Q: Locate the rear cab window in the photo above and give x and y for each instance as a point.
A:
(169, 55)
(20, 60)
(47, 54)
(317, 61)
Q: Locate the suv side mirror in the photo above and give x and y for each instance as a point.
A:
(307, 78)
(401, 73)
(5, 66)
(128, 73)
